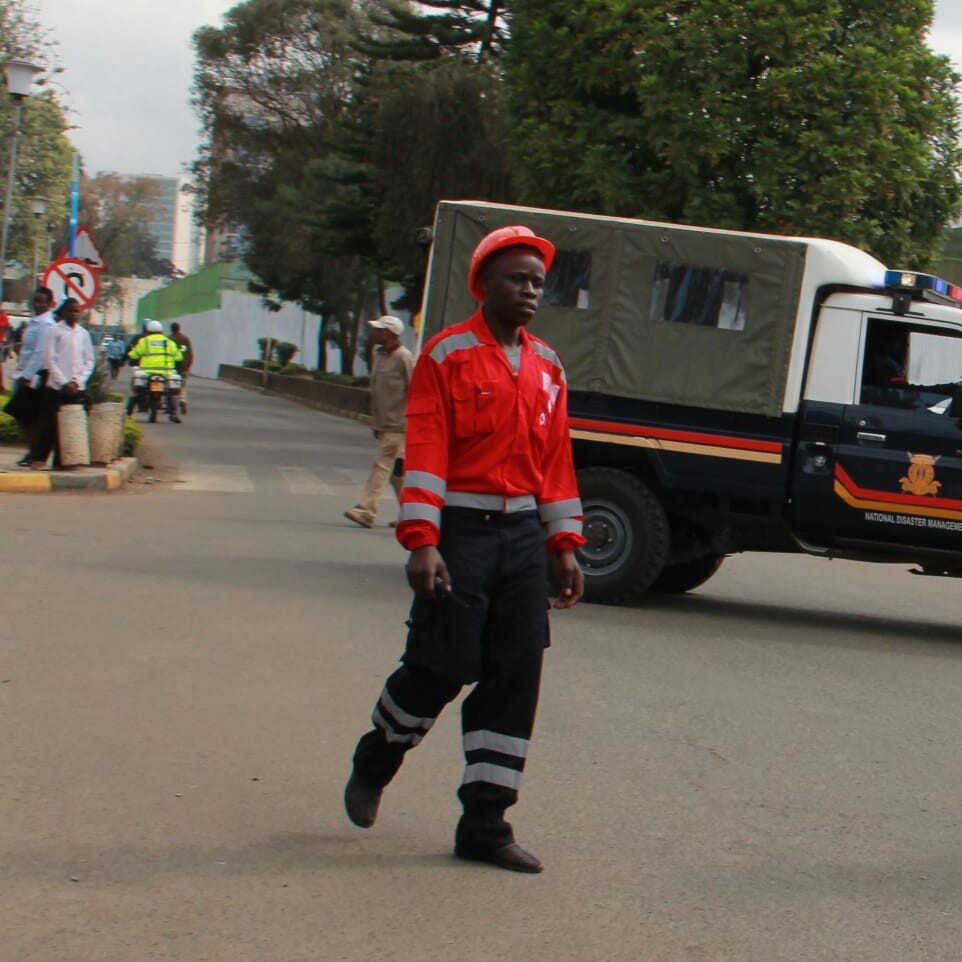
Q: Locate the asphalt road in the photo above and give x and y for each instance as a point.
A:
(766, 770)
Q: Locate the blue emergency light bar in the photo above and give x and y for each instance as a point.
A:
(923, 284)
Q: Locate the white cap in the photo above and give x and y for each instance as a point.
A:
(389, 323)
(154, 327)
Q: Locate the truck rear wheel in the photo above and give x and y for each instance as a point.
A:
(627, 535)
(677, 579)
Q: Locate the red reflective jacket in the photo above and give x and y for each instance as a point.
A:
(478, 435)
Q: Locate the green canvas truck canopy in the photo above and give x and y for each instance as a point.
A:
(638, 309)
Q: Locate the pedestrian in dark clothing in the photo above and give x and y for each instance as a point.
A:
(185, 363)
(489, 494)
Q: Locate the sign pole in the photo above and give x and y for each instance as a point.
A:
(74, 205)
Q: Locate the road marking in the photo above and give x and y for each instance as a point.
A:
(304, 481)
(352, 475)
(224, 478)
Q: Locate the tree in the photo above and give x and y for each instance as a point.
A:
(269, 87)
(432, 29)
(428, 120)
(118, 210)
(327, 162)
(44, 153)
(417, 133)
(830, 118)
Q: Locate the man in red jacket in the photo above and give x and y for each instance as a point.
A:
(489, 496)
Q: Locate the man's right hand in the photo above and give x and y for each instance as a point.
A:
(427, 573)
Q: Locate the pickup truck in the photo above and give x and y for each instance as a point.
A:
(731, 392)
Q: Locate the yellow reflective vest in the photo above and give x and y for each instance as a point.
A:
(156, 352)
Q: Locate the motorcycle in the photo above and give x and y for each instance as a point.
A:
(153, 391)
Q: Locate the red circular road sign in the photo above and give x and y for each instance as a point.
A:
(72, 277)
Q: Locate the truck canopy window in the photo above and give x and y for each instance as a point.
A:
(568, 283)
(708, 296)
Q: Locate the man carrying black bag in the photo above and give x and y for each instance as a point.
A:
(489, 494)
(29, 401)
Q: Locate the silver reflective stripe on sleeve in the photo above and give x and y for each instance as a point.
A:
(567, 526)
(493, 774)
(456, 342)
(495, 742)
(426, 481)
(542, 350)
(490, 502)
(420, 512)
(558, 510)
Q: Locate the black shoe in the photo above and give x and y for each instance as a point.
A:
(361, 801)
(175, 419)
(24, 462)
(512, 857)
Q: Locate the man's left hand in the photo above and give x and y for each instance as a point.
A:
(569, 578)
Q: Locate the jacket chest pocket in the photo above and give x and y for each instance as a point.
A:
(475, 407)
(538, 418)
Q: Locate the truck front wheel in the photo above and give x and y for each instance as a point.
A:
(627, 535)
(677, 579)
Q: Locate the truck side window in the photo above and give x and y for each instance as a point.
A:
(707, 296)
(568, 283)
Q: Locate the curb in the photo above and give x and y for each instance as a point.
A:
(339, 400)
(82, 479)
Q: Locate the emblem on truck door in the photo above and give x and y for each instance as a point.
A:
(921, 476)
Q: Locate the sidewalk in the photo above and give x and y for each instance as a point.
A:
(109, 478)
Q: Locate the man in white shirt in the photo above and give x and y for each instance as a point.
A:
(27, 405)
(72, 352)
(69, 366)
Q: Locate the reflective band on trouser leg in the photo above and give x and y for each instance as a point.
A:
(494, 758)
(406, 709)
(493, 775)
(398, 726)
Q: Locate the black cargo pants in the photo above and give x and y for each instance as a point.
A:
(492, 630)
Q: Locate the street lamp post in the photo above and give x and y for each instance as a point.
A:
(20, 77)
(39, 205)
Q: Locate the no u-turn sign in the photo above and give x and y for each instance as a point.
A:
(72, 277)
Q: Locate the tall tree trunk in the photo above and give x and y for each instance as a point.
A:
(322, 342)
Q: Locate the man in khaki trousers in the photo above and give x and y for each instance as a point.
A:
(390, 378)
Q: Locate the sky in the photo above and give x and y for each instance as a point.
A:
(128, 67)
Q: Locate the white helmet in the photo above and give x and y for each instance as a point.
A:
(154, 327)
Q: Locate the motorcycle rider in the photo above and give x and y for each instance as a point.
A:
(156, 353)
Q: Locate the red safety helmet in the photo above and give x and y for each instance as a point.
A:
(498, 240)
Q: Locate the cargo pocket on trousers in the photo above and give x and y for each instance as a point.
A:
(444, 636)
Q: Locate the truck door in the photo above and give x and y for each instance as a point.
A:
(886, 468)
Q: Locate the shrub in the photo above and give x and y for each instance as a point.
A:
(295, 369)
(133, 435)
(258, 365)
(284, 351)
(281, 351)
(10, 432)
(349, 380)
(99, 383)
